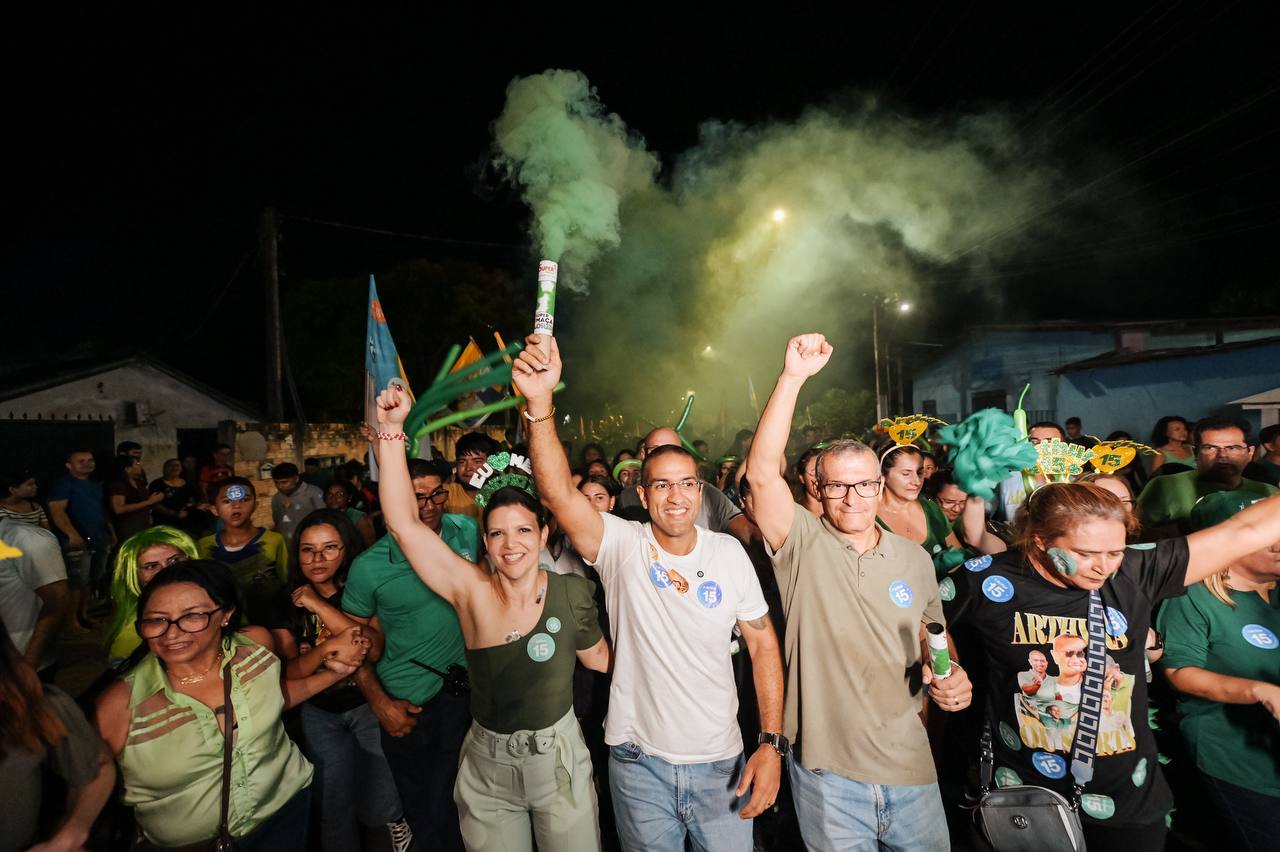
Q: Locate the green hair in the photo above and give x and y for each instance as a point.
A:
(125, 587)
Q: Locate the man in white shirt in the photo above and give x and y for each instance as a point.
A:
(33, 590)
(674, 592)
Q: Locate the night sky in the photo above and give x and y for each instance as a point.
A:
(143, 147)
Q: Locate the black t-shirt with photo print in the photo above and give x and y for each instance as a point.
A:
(1035, 638)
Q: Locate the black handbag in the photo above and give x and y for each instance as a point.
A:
(1027, 818)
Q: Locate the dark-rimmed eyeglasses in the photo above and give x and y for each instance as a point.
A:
(189, 622)
(1228, 450)
(328, 552)
(440, 496)
(838, 490)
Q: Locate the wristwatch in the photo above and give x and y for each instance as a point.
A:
(778, 741)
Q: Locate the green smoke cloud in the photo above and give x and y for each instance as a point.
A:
(575, 163)
(758, 233)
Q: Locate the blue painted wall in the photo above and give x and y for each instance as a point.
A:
(997, 359)
(1132, 397)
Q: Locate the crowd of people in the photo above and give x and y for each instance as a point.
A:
(655, 650)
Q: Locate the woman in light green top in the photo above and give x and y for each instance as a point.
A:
(141, 557)
(1172, 437)
(166, 720)
(525, 768)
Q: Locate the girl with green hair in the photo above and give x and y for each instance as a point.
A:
(141, 557)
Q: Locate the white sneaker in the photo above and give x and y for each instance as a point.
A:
(401, 835)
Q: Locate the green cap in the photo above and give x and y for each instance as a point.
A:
(1213, 509)
(624, 465)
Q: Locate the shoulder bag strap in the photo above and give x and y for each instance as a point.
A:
(986, 753)
(229, 722)
(1089, 715)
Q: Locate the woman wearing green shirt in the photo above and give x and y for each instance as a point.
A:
(1223, 655)
(166, 720)
(525, 766)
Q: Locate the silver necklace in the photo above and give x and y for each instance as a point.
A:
(515, 635)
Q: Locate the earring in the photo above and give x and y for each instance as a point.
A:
(1062, 561)
(225, 623)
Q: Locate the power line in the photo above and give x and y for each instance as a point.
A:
(403, 234)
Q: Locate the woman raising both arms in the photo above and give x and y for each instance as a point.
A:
(524, 629)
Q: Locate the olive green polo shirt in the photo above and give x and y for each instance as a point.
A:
(852, 652)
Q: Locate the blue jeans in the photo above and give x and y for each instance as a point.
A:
(838, 814)
(424, 764)
(284, 831)
(353, 784)
(656, 804)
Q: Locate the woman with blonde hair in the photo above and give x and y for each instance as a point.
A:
(1222, 654)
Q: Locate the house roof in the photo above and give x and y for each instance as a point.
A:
(1271, 397)
(1166, 326)
(35, 378)
(1125, 357)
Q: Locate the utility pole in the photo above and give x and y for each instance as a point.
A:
(269, 235)
(875, 353)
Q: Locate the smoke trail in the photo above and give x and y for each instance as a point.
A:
(758, 234)
(575, 163)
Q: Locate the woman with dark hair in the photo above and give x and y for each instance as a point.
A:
(138, 560)
(902, 512)
(18, 500)
(355, 793)
(202, 680)
(525, 766)
(128, 499)
(591, 453)
(180, 506)
(341, 496)
(1172, 437)
(1063, 618)
(41, 728)
(969, 526)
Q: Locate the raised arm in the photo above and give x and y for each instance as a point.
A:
(974, 519)
(445, 572)
(774, 507)
(535, 375)
(1248, 531)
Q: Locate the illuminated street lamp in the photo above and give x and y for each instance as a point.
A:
(779, 215)
(876, 302)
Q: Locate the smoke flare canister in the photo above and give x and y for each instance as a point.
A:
(939, 653)
(544, 313)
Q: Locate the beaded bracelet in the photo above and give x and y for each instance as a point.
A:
(392, 436)
(532, 419)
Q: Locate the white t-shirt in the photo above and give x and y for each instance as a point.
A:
(39, 565)
(673, 692)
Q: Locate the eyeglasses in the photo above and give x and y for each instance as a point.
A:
(1228, 450)
(953, 504)
(1035, 442)
(1077, 653)
(189, 622)
(838, 490)
(156, 566)
(440, 496)
(662, 486)
(327, 553)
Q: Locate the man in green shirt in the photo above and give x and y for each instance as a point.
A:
(1222, 453)
(422, 723)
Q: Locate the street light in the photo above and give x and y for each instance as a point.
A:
(779, 215)
(876, 302)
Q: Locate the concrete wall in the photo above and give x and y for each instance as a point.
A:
(1004, 360)
(163, 406)
(1133, 396)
